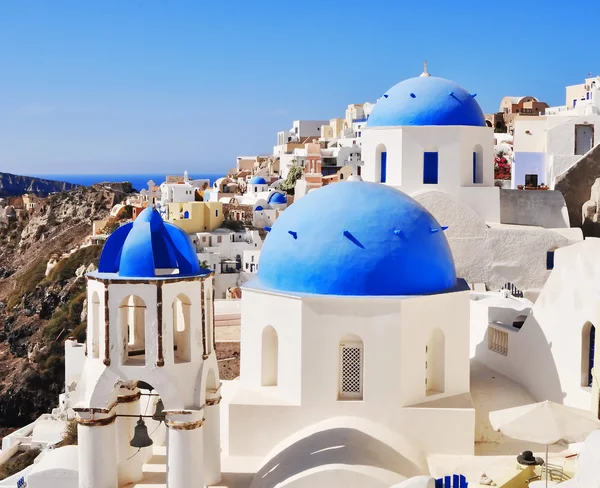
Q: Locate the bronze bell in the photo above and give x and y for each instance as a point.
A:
(159, 415)
(140, 435)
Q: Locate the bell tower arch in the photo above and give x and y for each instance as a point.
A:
(150, 349)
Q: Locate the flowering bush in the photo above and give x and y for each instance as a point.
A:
(501, 168)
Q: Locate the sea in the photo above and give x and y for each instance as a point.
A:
(138, 181)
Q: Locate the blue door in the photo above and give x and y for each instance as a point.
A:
(474, 167)
(591, 358)
(383, 166)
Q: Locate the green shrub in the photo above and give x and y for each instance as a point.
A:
(27, 282)
(65, 268)
(18, 463)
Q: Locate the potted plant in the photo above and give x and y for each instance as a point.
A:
(519, 187)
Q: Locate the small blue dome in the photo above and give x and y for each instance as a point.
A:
(277, 198)
(360, 239)
(426, 100)
(140, 248)
(257, 180)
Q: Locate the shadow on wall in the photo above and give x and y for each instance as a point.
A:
(590, 228)
(529, 361)
(339, 446)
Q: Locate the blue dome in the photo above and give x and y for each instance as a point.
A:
(257, 180)
(356, 238)
(277, 198)
(426, 100)
(140, 248)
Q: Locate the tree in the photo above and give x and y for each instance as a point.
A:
(294, 175)
(205, 265)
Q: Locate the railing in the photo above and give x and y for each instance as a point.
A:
(454, 481)
(356, 121)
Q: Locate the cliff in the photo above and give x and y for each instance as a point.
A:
(15, 185)
(39, 310)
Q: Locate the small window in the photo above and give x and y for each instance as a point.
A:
(430, 168)
(219, 239)
(351, 365)
(550, 260)
(216, 213)
(531, 180)
(341, 176)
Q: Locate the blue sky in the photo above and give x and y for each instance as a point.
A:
(123, 86)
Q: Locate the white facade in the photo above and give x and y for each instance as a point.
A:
(159, 332)
(558, 331)
(465, 167)
(250, 261)
(547, 146)
(316, 364)
(177, 192)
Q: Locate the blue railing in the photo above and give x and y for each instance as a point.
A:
(454, 481)
(355, 121)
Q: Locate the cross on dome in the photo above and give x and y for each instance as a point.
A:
(425, 72)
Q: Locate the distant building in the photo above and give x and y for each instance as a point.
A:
(195, 217)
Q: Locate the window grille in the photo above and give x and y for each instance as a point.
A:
(498, 341)
(351, 364)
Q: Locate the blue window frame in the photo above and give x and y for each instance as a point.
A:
(430, 168)
(550, 260)
(383, 166)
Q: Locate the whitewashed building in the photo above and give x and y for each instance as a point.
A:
(548, 145)
(427, 136)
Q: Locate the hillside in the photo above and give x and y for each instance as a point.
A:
(15, 185)
(38, 312)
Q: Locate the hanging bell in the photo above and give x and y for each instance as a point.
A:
(140, 436)
(159, 414)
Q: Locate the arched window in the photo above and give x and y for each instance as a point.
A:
(435, 363)
(132, 319)
(181, 329)
(477, 164)
(95, 332)
(351, 368)
(270, 357)
(588, 340)
(430, 167)
(381, 162)
(186, 215)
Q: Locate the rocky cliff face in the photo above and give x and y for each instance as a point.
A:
(14, 185)
(38, 312)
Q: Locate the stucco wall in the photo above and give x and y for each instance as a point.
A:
(576, 183)
(528, 163)
(496, 253)
(526, 207)
(552, 333)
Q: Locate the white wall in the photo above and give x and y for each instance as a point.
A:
(455, 146)
(493, 254)
(394, 332)
(552, 333)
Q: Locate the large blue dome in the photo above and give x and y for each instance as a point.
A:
(143, 248)
(426, 100)
(356, 238)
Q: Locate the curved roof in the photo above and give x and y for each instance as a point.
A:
(277, 198)
(425, 101)
(147, 245)
(368, 448)
(257, 180)
(356, 238)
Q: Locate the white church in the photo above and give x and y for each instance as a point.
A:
(357, 334)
